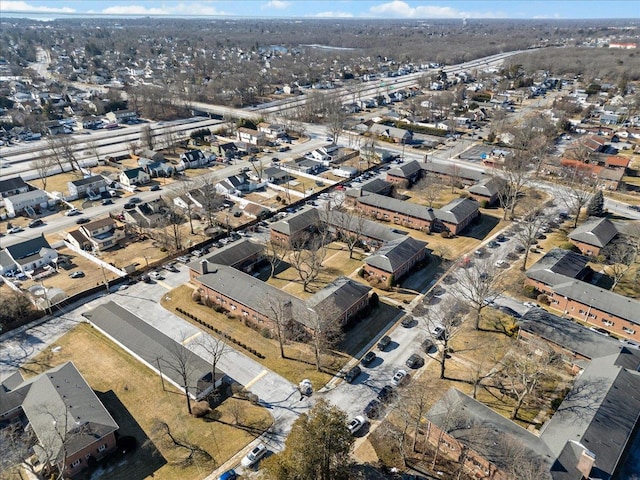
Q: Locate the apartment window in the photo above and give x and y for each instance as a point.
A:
(608, 323)
(233, 307)
(75, 463)
(102, 447)
(628, 330)
(581, 312)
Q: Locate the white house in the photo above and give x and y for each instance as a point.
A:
(134, 176)
(248, 135)
(25, 202)
(345, 172)
(272, 130)
(27, 256)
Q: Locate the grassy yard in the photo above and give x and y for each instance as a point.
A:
(299, 363)
(136, 399)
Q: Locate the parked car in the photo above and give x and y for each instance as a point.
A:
(134, 200)
(82, 220)
(373, 409)
(107, 201)
(407, 321)
(479, 252)
(493, 244)
(530, 304)
(599, 330)
(501, 238)
(502, 264)
(36, 223)
(386, 394)
(414, 361)
(170, 267)
(146, 279)
(368, 358)
(438, 332)
(356, 424)
(398, 378)
(427, 344)
(228, 475)
(156, 276)
(15, 230)
(77, 274)
(254, 455)
(129, 206)
(384, 342)
(352, 374)
(155, 188)
(72, 212)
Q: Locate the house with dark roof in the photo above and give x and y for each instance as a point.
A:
(154, 349)
(148, 214)
(395, 259)
(561, 275)
(344, 297)
(487, 190)
(276, 175)
(87, 186)
(134, 176)
(405, 175)
(587, 437)
(122, 116)
(296, 227)
(152, 155)
(457, 215)
(454, 172)
(70, 424)
(193, 159)
(398, 135)
(593, 235)
(12, 186)
(243, 255)
(154, 168)
(372, 234)
(377, 185)
(27, 256)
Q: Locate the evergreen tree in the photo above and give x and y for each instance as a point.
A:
(596, 205)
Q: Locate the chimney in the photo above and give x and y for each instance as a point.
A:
(204, 266)
(585, 461)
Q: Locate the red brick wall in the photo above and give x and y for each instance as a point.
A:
(91, 450)
(585, 248)
(398, 219)
(404, 268)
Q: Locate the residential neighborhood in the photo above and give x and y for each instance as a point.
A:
(216, 255)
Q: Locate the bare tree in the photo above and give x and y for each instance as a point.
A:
(308, 253)
(515, 173)
(349, 226)
(16, 444)
(183, 190)
(478, 285)
(146, 137)
(578, 190)
(67, 150)
(94, 149)
(620, 255)
(519, 462)
(217, 348)
(210, 198)
(532, 221)
(525, 368)
(276, 252)
(429, 187)
(43, 166)
(164, 429)
(180, 362)
(280, 312)
(336, 118)
(326, 331)
(442, 322)
(173, 226)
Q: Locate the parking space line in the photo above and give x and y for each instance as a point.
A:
(189, 339)
(164, 285)
(254, 380)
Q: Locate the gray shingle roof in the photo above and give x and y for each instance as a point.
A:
(376, 185)
(600, 411)
(398, 206)
(148, 343)
(487, 187)
(457, 211)
(89, 180)
(63, 394)
(598, 232)
(557, 266)
(392, 255)
(568, 334)
(360, 225)
(10, 184)
(28, 247)
(451, 169)
(604, 300)
(297, 222)
(230, 255)
(253, 293)
(406, 170)
(338, 296)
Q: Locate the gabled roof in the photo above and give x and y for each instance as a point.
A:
(60, 402)
(360, 226)
(406, 170)
(376, 185)
(338, 296)
(483, 430)
(297, 222)
(148, 343)
(597, 232)
(26, 196)
(395, 205)
(603, 300)
(558, 265)
(230, 255)
(193, 155)
(453, 170)
(617, 161)
(89, 180)
(392, 255)
(133, 172)
(101, 223)
(568, 334)
(391, 132)
(457, 211)
(487, 187)
(601, 411)
(28, 247)
(10, 184)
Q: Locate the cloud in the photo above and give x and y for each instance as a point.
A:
(133, 10)
(18, 6)
(189, 8)
(400, 9)
(279, 4)
(333, 15)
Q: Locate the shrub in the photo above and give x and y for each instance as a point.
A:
(445, 234)
(196, 296)
(484, 204)
(253, 398)
(200, 409)
(265, 332)
(361, 273)
(530, 291)
(569, 246)
(542, 298)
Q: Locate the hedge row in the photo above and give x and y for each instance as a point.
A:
(222, 334)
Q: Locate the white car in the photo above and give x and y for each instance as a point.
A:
(398, 378)
(502, 264)
(254, 455)
(356, 424)
(156, 276)
(530, 304)
(72, 212)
